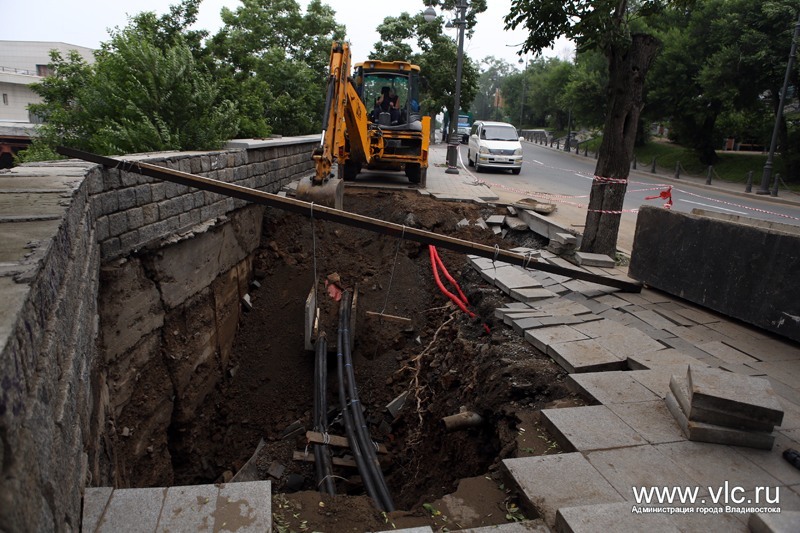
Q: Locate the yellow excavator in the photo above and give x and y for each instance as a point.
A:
(372, 120)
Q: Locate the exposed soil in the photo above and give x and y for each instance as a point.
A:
(444, 360)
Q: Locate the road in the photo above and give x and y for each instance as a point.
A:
(566, 179)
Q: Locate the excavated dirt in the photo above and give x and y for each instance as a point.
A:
(444, 360)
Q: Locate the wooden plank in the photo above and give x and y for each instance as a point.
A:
(335, 440)
(348, 219)
(389, 318)
(337, 461)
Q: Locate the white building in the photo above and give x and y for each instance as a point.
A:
(21, 64)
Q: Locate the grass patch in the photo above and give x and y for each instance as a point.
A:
(732, 166)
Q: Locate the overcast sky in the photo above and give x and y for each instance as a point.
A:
(86, 23)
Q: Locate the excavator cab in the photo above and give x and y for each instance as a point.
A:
(358, 133)
(373, 80)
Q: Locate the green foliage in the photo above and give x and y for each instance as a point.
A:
(275, 59)
(490, 81)
(37, 151)
(437, 58)
(145, 92)
(720, 74)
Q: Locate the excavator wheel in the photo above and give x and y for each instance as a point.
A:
(348, 171)
(414, 172)
(329, 193)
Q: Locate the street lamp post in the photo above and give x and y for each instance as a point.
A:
(524, 90)
(453, 141)
(767, 174)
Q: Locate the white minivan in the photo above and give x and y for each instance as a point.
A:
(494, 145)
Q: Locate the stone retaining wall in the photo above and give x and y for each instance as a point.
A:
(740, 270)
(72, 362)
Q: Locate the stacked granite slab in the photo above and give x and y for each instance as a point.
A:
(713, 405)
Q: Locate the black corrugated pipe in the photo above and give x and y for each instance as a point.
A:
(365, 442)
(322, 457)
(349, 426)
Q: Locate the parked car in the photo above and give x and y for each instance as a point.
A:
(494, 145)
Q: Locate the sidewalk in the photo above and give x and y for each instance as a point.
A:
(621, 351)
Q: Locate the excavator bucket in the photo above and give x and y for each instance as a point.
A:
(330, 192)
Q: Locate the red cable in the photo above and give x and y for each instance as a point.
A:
(448, 276)
(436, 260)
(453, 297)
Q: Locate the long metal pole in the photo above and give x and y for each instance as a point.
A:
(767, 174)
(453, 142)
(348, 219)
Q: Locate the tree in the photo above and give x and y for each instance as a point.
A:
(145, 92)
(437, 57)
(274, 60)
(611, 27)
(585, 92)
(487, 101)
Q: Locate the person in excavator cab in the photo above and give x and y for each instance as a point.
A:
(387, 102)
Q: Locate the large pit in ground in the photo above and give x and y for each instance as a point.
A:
(444, 360)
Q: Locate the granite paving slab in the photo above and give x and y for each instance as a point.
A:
(772, 460)
(548, 483)
(774, 522)
(515, 279)
(741, 396)
(672, 316)
(698, 316)
(787, 372)
(652, 420)
(713, 464)
(526, 526)
(768, 349)
(612, 301)
(679, 386)
(698, 334)
(245, 506)
(585, 356)
(542, 338)
(616, 517)
(631, 343)
(593, 427)
(531, 294)
(657, 380)
(519, 325)
(610, 387)
(596, 260)
(641, 466)
(490, 274)
(726, 353)
(653, 319)
(703, 432)
(604, 328)
(668, 357)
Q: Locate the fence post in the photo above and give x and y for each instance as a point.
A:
(653, 170)
(678, 170)
(586, 150)
(708, 176)
(558, 144)
(774, 191)
(749, 186)
(634, 162)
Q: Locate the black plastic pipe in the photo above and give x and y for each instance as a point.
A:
(349, 426)
(361, 429)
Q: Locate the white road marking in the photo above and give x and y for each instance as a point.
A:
(712, 206)
(584, 176)
(537, 162)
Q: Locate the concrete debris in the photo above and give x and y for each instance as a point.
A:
(496, 220)
(463, 223)
(248, 304)
(276, 470)
(396, 405)
(255, 284)
(481, 223)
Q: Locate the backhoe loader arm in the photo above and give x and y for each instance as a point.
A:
(345, 118)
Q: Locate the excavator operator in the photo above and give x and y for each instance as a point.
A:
(387, 102)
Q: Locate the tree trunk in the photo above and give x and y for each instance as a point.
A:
(627, 69)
